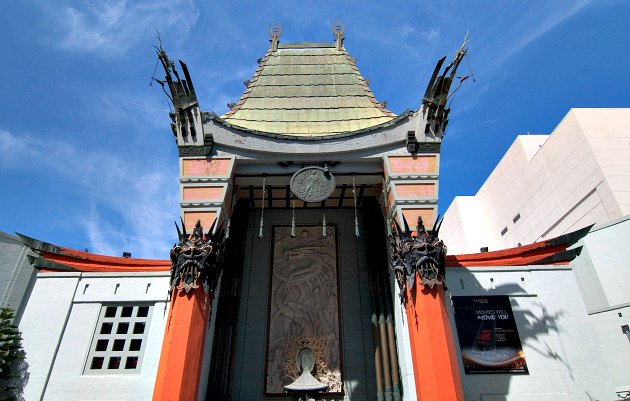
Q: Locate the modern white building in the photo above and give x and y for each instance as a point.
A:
(572, 320)
(548, 185)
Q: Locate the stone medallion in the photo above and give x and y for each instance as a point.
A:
(312, 184)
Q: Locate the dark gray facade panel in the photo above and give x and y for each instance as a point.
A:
(356, 331)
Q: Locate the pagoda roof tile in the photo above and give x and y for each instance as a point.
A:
(307, 89)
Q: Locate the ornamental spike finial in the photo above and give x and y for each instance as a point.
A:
(179, 233)
(183, 228)
(275, 32)
(338, 30)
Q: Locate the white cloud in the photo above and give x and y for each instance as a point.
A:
(113, 26)
(133, 204)
(432, 34)
(11, 147)
(406, 29)
(493, 45)
(125, 105)
(532, 26)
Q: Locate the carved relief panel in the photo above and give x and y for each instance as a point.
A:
(303, 307)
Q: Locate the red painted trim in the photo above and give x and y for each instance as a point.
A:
(179, 369)
(549, 252)
(545, 252)
(521, 256)
(435, 366)
(87, 262)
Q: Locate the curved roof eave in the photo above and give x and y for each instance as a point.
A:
(320, 137)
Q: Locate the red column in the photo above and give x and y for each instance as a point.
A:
(436, 371)
(182, 349)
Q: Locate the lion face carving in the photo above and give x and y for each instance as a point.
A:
(423, 254)
(195, 259)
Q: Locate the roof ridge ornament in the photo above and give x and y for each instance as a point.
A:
(338, 30)
(275, 32)
(186, 116)
(182, 92)
(436, 96)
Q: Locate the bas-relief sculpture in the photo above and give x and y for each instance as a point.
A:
(312, 184)
(304, 309)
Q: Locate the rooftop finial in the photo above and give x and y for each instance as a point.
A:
(274, 32)
(338, 30)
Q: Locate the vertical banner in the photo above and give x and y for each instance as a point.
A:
(303, 307)
(488, 337)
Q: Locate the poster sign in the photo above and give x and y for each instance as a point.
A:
(488, 337)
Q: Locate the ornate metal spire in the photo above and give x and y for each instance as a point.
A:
(338, 30)
(275, 32)
(434, 102)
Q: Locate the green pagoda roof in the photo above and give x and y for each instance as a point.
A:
(307, 89)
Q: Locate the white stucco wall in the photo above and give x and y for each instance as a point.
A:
(58, 326)
(563, 359)
(609, 252)
(42, 327)
(614, 344)
(603, 281)
(569, 320)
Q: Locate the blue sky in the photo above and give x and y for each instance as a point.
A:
(87, 159)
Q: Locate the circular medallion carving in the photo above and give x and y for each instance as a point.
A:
(312, 184)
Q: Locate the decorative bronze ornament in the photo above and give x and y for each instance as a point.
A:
(305, 363)
(196, 259)
(313, 184)
(423, 253)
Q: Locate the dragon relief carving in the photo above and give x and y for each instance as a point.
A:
(196, 259)
(424, 254)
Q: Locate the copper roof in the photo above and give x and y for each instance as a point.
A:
(307, 89)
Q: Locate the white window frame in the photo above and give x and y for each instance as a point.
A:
(117, 342)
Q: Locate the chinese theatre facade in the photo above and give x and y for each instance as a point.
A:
(305, 175)
(308, 262)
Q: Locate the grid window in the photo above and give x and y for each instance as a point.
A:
(143, 311)
(101, 345)
(119, 339)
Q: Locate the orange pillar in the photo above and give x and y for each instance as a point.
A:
(182, 349)
(436, 371)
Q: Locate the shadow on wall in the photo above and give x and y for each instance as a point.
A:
(13, 389)
(502, 335)
(495, 342)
